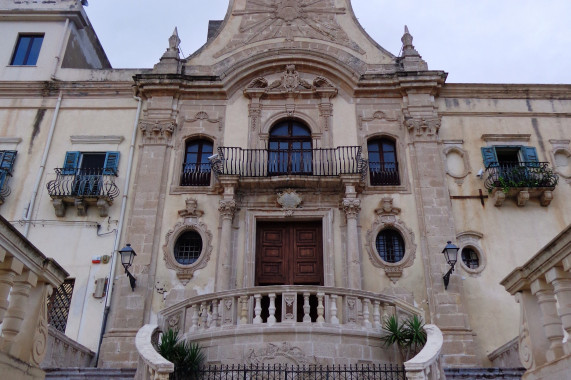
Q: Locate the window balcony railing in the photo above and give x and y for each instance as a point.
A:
(322, 162)
(384, 173)
(522, 179)
(195, 174)
(5, 190)
(81, 187)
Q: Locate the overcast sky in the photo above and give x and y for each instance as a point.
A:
(481, 41)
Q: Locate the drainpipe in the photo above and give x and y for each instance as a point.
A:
(119, 228)
(60, 51)
(42, 167)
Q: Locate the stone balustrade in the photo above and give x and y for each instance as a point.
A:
(298, 325)
(64, 352)
(542, 287)
(284, 305)
(152, 366)
(27, 278)
(426, 365)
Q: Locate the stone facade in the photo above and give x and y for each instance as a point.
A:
(271, 64)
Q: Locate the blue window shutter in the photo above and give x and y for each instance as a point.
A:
(111, 163)
(71, 163)
(7, 160)
(2, 180)
(489, 155)
(529, 154)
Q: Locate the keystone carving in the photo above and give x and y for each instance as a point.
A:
(191, 209)
(289, 200)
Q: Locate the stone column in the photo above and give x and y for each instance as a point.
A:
(352, 206)
(225, 257)
(130, 309)
(437, 226)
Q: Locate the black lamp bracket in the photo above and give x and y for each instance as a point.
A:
(132, 279)
(446, 277)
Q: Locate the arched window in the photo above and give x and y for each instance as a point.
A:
(390, 245)
(196, 167)
(290, 149)
(383, 165)
(188, 247)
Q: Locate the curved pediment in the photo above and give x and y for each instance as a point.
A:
(253, 27)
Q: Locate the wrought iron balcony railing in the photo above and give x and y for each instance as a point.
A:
(84, 183)
(384, 173)
(195, 174)
(507, 175)
(5, 190)
(322, 162)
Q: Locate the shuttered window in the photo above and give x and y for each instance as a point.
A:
(7, 159)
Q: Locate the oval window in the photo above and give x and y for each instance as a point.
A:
(390, 246)
(188, 248)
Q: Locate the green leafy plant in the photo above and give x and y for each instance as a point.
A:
(409, 335)
(187, 357)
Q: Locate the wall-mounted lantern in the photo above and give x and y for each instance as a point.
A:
(451, 255)
(127, 256)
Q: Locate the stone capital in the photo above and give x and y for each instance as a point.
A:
(227, 208)
(423, 127)
(351, 206)
(157, 131)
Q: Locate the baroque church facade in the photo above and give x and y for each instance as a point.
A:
(286, 187)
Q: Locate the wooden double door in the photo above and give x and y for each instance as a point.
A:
(289, 253)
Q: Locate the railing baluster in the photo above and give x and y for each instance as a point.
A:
(272, 309)
(244, 310)
(366, 322)
(320, 307)
(258, 309)
(306, 308)
(377, 314)
(194, 318)
(333, 309)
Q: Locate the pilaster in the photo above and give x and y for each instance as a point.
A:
(227, 208)
(352, 206)
(130, 309)
(436, 224)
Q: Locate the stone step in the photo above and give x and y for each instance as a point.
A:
(484, 373)
(89, 373)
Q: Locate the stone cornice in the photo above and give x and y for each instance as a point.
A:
(30, 89)
(506, 91)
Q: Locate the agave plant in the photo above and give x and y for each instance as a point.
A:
(187, 357)
(409, 336)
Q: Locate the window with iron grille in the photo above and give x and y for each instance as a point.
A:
(470, 258)
(58, 305)
(390, 245)
(188, 248)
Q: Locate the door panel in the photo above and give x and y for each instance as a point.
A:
(289, 254)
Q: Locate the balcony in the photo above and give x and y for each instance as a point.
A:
(319, 321)
(5, 190)
(81, 188)
(290, 166)
(522, 181)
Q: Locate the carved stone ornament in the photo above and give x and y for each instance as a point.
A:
(203, 116)
(377, 115)
(288, 19)
(227, 208)
(191, 210)
(279, 354)
(157, 131)
(351, 206)
(524, 340)
(426, 127)
(289, 200)
(40, 344)
(290, 82)
(186, 272)
(387, 219)
(466, 169)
